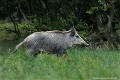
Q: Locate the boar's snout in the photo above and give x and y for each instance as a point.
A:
(84, 44)
(87, 45)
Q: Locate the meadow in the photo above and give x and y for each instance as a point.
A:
(80, 64)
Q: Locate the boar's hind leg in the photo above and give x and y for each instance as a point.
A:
(33, 50)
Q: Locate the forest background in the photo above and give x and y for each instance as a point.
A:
(97, 21)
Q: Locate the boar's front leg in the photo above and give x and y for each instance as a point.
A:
(61, 52)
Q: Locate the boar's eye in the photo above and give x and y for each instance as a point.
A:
(77, 36)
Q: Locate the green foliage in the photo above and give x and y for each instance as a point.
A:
(8, 32)
(118, 28)
(58, 23)
(3, 35)
(80, 64)
(91, 11)
(3, 31)
(23, 17)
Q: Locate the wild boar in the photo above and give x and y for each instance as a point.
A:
(52, 41)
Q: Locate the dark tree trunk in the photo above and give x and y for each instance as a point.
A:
(16, 29)
(112, 36)
(110, 19)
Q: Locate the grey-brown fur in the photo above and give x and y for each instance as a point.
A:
(52, 41)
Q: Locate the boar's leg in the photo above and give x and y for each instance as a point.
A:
(61, 52)
(33, 50)
(58, 50)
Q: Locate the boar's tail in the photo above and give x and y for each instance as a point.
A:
(20, 44)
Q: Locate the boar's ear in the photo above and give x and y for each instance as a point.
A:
(72, 31)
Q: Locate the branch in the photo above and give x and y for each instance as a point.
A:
(24, 16)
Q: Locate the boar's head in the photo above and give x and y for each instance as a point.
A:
(75, 39)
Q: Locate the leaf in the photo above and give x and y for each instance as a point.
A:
(91, 11)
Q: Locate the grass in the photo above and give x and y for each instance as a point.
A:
(80, 64)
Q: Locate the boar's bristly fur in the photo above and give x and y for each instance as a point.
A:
(52, 41)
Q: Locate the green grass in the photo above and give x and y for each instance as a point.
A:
(80, 64)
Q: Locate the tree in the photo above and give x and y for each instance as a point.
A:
(95, 18)
(104, 11)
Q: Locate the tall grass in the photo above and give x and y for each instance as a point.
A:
(80, 64)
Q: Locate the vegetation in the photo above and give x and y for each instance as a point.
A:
(97, 20)
(80, 64)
